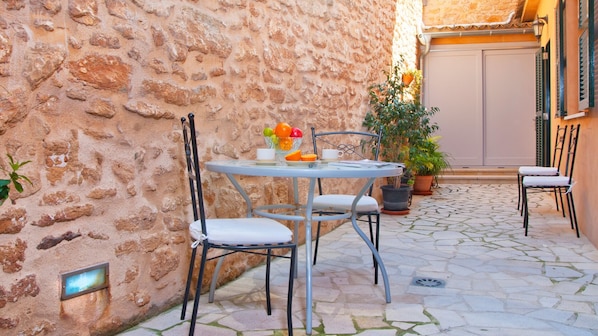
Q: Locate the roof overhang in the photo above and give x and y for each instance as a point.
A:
(530, 8)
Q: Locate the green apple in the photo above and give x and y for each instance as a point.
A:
(274, 139)
(268, 131)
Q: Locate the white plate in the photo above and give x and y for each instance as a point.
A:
(265, 162)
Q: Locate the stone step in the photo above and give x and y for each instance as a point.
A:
(479, 175)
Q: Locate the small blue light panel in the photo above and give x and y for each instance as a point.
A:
(83, 281)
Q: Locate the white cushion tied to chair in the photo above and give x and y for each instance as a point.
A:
(343, 202)
(558, 184)
(241, 231)
(259, 236)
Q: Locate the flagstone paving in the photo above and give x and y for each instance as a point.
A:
(496, 280)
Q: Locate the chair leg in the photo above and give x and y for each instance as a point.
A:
(562, 204)
(290, 291)
(521, 188)
(374, 239)
(188, 284)
(556, 200)
(377, 244)
(519, 177)
(202, 267)
(317, 242)
(268, 264)
(525, 209)
(572, 214)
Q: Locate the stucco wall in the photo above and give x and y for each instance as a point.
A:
(586, 160)
(92, 93)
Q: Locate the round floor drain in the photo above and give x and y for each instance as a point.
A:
(428, 282)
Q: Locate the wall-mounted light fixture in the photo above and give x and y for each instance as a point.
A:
(84, 280)
(538, 25)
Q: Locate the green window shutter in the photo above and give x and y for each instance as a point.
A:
(586, 54)
(560, 59)
(539, 109)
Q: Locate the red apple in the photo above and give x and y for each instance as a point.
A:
(296, 133)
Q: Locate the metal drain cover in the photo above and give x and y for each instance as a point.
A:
(428, 282)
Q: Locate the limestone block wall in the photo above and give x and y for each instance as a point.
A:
(449, 12)
(92, 93)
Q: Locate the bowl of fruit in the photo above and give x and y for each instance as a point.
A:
(283, 138)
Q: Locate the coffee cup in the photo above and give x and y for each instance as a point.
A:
(265, 154)
(331, 154)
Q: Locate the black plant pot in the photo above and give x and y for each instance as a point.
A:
(395, 199)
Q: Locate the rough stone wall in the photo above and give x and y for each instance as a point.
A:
(406, 47)
(451, 12)
(92, 92)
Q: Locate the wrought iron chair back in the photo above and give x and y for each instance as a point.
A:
(561, 183)
(354, 145)
(230, 235)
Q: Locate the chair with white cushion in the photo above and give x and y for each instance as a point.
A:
(352, 145)
(553, 170)
(230, 235)
(561, 183)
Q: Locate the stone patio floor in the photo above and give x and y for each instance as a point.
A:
(497, 281)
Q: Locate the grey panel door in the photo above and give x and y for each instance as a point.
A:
(453, 83)
(510, 107)
(486, 101)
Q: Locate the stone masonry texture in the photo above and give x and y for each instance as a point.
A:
(92, 92)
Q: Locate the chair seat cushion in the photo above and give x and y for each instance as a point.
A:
(344, 202)
(545, 181)
(536, 170)
(242, 231)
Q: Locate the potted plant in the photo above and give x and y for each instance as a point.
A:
(396, 110)
(427, 161)
(408, 76)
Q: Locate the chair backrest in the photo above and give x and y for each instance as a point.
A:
(354, 145)
(192, 160)
(559, 145)
(572, 150)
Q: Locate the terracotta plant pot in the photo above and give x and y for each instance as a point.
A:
(423, 185)
(407, 79)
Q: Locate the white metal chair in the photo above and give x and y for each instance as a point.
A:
(561, 183)
(553, 170)
(354, 145)
(230, 235)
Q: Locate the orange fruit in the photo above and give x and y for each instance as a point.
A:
(283, 130)
(285, 143)
(308, 157)
(293, 156)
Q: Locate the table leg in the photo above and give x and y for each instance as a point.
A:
(368, 241)
(308, 256)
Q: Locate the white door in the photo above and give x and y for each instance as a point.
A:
(510, 107)
(486, 101)
(453, 83)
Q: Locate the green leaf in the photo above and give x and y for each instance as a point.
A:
(18, 186)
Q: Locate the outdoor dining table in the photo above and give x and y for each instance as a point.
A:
(297, 212)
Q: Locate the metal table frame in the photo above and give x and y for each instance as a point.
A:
(303, 212)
